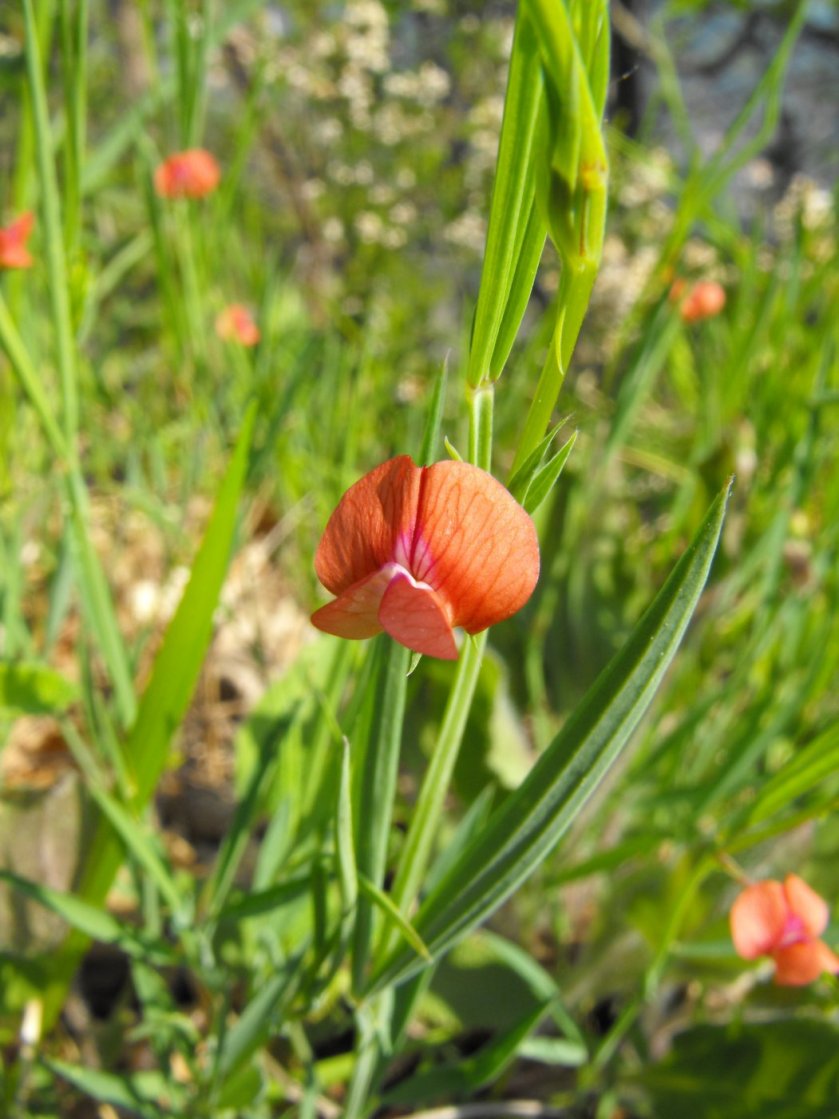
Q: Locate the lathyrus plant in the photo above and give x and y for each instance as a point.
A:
(337, 918)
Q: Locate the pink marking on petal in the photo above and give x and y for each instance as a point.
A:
(416, 617)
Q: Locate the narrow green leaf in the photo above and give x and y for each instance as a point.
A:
(468, 1076)
(546, 478)
(530, 250)
(344, 845)
(431, 437)
(259, 1018)
(511, 232)
(392, 915)
(521, 478)
(142, 846)
(537, 814)
(805, 771)
(90, 920)
(378, 784)
(34, 689)
(147, 1094)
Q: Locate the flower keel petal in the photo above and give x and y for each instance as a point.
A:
(415, 617)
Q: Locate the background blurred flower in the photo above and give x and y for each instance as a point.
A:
(704, 300)
(13, 238)
(190, 174)
(236, 324)
(784, 921)
(416, 551)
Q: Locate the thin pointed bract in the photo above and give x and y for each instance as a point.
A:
(417, 551)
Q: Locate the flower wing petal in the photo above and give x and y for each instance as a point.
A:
(811, 909)
(414, 616)
(474, 544)
(802, 963)
(757, 919)
(355, 613)
(361, 535)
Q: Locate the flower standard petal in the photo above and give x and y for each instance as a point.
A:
(757, 919)
(809, 907)
(414, 616)
(474, 544)
(363, 533)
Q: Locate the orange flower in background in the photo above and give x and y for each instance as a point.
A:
(190, 174)
(235, 324)
(784, 921)
(13, 238)
(704, 300)
(415, 551)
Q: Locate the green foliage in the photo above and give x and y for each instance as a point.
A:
(573, 781)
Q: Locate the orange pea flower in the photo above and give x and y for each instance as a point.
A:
(784, 921)
(235, 324)
(703, 301)
(417, 550)
(13, 238)
(190, 174)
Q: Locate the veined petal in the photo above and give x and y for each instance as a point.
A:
(355, 613)
(811, 909)
(757, 919)
(474, 544)
(362, 534)
(802, 963)
(416, 617)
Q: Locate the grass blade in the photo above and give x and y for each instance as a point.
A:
(534, 817)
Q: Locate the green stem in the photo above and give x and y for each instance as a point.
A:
(378, 789)
(53, 239)
(424, 823)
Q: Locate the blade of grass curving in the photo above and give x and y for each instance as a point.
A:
(392, 916)
(511, 232)
(88, 919)
(537, 814)
(817, 762)
(165, 699)
(140, 1094)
